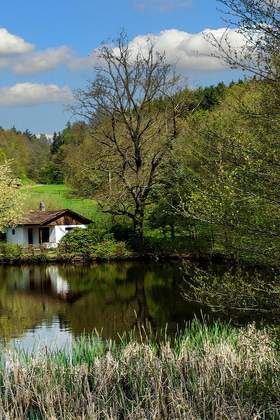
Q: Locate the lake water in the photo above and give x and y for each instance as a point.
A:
(50, 305)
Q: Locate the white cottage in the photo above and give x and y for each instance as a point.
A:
(45, 228)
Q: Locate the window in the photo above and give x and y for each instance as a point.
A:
(13, 231)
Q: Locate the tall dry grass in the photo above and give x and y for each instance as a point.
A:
(213, 372)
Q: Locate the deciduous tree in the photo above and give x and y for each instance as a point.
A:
(133, 111)
(10, 197)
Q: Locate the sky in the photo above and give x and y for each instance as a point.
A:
(46, 49)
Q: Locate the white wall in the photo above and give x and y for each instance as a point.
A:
(56, 234)
(20, 236)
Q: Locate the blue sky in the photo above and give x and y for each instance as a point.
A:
(45, 49)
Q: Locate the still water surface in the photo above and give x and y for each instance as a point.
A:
(50, 305)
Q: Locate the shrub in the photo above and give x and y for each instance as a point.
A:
(110, 248)
(92, 242)
(78, 241)
(10, 251)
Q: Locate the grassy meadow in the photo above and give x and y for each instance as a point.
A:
(208, 372)
(60, 197)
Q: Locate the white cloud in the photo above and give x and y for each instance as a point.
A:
(11, 44)
(191, 51)
(188, 51)
(161, 5)
(43, 61)
(24, 94)
(21, 57)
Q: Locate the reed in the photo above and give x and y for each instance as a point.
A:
(207, 372)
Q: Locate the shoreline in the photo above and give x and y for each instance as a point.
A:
(72, 260)
(217, 258)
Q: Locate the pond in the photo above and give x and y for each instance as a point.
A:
(50, 305)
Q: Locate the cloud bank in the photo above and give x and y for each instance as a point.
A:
(25, 94)
(186, 50)
(42, 61)
(191, 51)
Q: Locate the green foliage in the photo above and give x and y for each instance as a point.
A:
(28, 153)
(92, 242)
(110, 248)
(235, 292)
(234, 175)
(10, 197)
(198, 245)
(122, 232)
(10, 251)
(211, 96)
(166, 198)
(222, 172)
(79, 241)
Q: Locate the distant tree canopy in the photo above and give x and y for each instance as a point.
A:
(29, 155)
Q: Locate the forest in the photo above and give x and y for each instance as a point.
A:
(198, 167)
(217, 185)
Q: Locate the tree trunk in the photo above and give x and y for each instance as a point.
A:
(139, 228)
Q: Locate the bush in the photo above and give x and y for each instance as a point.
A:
(92, 242)
(110, 248)
(78, 241)
(10, 251)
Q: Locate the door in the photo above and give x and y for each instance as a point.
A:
(30, 236)
(44, 235)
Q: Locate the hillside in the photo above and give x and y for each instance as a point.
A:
(58, 197)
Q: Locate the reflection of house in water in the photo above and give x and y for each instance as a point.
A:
(59, 284)
(47, 284)
(109, 298)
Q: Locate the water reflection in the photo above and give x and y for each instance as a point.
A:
(55, 303)
(52, 336)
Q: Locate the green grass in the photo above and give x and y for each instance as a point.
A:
(58, 197)
(209, 372)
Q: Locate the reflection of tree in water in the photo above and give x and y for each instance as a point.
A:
(119, 303)
(112, 298)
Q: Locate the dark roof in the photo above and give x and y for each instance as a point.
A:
(42, 218)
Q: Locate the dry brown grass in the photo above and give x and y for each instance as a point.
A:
(208, 373)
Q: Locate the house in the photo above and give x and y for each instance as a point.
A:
(45, 228)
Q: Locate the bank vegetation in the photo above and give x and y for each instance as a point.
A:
(206, 372)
